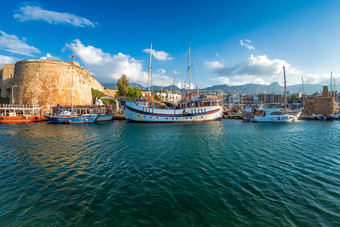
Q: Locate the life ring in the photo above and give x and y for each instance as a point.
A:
(23, 117)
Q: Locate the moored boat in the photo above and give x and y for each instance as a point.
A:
(68, 117)
(192, 111)
(20, 113)
(274, 115)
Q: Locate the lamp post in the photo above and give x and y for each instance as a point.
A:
(12, 93)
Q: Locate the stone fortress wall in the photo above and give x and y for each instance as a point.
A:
(324, 105)
(36, 78)
(6, 75)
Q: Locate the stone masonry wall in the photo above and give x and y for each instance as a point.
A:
(34, 78)
(322, 105)
(6, 77)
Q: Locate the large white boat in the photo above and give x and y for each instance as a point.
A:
(274, 115)
(192, 111)
(197, 110)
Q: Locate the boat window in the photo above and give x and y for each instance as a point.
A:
(277, 113)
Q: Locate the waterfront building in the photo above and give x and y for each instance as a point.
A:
(269, 98)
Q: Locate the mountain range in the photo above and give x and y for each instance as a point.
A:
(240, 89)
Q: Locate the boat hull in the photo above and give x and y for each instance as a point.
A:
(73, 120)
(142, 114)
(18, 119)
(104, 117)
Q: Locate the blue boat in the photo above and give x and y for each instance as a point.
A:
(72, 119)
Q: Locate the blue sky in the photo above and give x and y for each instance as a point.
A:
(233, 42)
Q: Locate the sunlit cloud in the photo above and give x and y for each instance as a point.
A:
(159, 55)
(48, 56)
(108, 67)
(7, 60)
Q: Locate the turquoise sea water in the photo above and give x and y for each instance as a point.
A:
(128, 174)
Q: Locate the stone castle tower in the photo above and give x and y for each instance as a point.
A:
(35, 80)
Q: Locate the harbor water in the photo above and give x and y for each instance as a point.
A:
(225, 173)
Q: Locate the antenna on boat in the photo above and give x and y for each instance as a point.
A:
(285, 83)
(150, 72)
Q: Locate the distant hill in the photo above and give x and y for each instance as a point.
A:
(240, 89)
(258, 88)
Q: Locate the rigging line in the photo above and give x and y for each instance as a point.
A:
(204, 73)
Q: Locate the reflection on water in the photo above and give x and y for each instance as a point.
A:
(216, 173)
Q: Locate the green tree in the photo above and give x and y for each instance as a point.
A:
(294, 98)
(123, 85)
(134, 92)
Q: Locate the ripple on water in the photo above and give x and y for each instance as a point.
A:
(218, 173)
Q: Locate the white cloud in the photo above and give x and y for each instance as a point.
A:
(259, 70)
(214, 65)
(108, 67)
(161, 71)
(159, 55)
(27, 13)
(256, 66)
(13, 44)
(317, 79)
(247, 43)
(49, 56)
(7, 60)
(182, 85)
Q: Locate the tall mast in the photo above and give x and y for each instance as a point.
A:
(49, 75)
(150, 72)
(303, 91)
(185, 88)
(189, 69)
(331, 85)
(72, 91)
(173, 90)
(284, 75)
(161, 89)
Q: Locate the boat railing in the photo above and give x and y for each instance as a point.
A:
(18, 106)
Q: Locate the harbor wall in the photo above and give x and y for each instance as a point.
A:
(36, 78)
